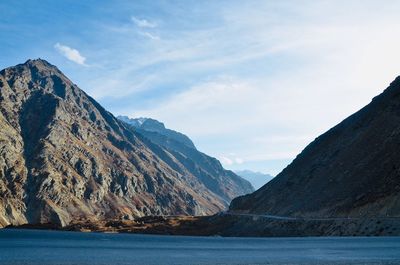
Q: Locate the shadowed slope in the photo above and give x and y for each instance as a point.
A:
(351, 170)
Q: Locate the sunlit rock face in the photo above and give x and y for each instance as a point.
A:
(64, 157)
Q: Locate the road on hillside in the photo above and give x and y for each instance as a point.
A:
(287, 218)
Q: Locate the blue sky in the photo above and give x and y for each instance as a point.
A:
(251, 82)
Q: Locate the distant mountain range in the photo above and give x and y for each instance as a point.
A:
(257, 179)
(63, 157)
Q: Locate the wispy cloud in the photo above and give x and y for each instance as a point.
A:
(143, 23)
(231, 160)
(70, 53)
(149, 35)
(145, 27)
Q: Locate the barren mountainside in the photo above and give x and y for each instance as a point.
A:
(352, 170)
(63, 157)
(208, 169)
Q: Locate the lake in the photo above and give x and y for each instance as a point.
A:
(42, 247)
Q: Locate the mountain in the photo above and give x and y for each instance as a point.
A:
(257, 179)
(64, 157)
(151, 125)
(207, 169)
(352, 170)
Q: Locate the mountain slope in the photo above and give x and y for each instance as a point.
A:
(257, 179)
(207, 170)
(351, 170)
(64, 157)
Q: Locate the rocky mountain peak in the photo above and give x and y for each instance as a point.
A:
(152, 125)
(38, 67)
(37, 75)
(64, 157)
(41, 63)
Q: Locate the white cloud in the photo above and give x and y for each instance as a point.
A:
(143, 23)
(149, 35)
(70, 53)
(226, 161)
(231, 159)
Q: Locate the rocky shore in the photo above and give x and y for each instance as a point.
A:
(230, 225)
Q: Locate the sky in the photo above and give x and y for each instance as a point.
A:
(250, 82)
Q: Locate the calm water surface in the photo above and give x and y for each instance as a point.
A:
(67, 248)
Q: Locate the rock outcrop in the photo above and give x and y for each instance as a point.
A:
(352, 170)
(63, 157)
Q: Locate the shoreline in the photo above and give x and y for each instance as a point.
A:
(230, 226)
(157, 225)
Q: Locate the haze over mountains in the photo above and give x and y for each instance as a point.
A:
(352, 170)
(63, 157)
(257, 179)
